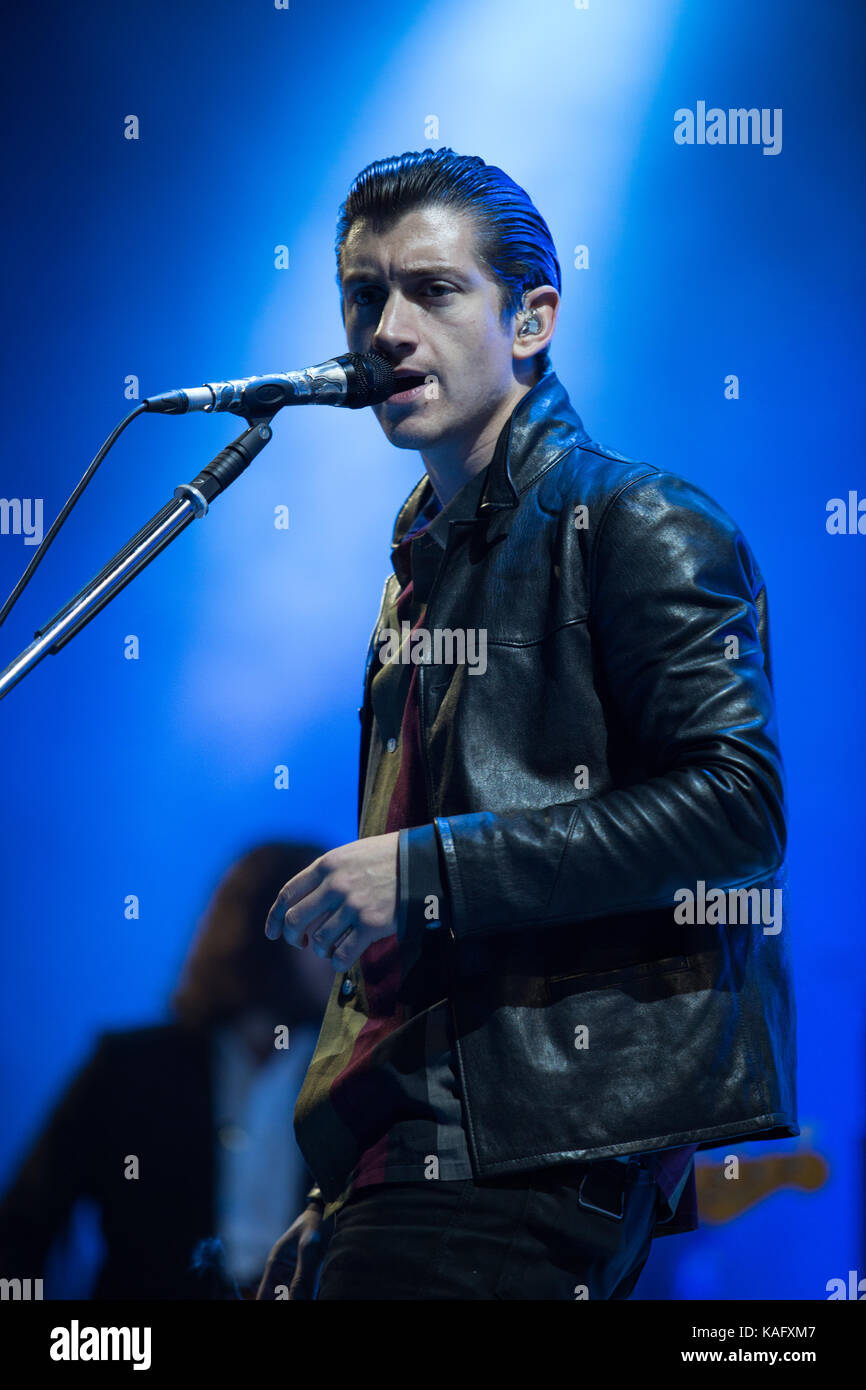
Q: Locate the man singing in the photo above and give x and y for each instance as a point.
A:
(560, 959)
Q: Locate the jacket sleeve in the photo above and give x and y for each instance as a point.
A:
(672, 582)
(422, 896)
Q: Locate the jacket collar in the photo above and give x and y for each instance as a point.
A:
(542, 427)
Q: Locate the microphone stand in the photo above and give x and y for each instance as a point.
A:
(191, 500)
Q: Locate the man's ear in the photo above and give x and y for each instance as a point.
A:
(535, 323)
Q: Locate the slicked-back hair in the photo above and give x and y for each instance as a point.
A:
(512, 238)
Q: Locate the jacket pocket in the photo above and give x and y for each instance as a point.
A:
(560, 985)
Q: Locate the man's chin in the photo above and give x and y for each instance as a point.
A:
(409, 432)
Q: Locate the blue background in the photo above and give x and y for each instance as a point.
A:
(155, 258)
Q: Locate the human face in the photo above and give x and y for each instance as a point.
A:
(417, 294)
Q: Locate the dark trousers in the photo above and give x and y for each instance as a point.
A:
(579, 1232)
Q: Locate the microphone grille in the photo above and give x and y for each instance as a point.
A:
(376, 374)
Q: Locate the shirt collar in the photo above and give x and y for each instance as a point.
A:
(542, 427)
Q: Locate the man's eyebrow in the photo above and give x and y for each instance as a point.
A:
(410, 271)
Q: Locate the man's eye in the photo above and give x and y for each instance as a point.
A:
(368, 294)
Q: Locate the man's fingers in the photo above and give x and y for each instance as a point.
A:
(292, 893)
(300, 1290)
(341, 945)
(281, 1267)
(305, 916)
(325, 935)
(310, 1253)
(304, 938)
(347, 948)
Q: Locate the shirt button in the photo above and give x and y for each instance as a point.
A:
(391, 745)
(347, 988)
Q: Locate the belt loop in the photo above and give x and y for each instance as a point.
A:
(604, 1185)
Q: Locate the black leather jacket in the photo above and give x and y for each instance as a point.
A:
(620, 746)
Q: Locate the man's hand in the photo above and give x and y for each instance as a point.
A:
(295, 1259)
(343, 902)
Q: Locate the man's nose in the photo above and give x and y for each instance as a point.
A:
(395, 328)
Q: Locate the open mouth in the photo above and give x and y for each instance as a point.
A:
(407, 387)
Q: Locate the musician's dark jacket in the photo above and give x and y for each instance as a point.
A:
(621, 745)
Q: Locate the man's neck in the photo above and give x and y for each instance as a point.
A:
(451, 464)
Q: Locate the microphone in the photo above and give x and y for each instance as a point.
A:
(354, 380)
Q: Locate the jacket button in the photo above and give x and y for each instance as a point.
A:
(347, 988)
(391, 745)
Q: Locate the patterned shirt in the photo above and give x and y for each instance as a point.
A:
(381, 1100)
